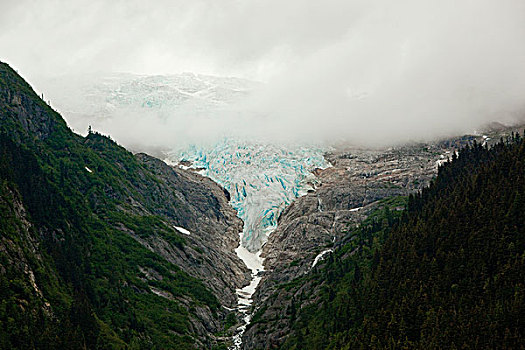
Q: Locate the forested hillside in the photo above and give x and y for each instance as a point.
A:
(89, 252)
(447, 273)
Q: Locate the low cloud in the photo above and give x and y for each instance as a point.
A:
(367, 72)
(408, 71)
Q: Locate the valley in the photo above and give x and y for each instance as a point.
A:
(262, 175)
(249, 224)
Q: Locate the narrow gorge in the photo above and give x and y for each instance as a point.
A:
(262, 180)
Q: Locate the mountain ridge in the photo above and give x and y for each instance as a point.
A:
(106, 225)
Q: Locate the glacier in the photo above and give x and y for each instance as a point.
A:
(262, 179)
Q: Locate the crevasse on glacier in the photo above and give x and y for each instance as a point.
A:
(262, 179)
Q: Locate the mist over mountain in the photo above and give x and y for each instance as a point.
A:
(329, 175)
(368, 73)
(154, 113)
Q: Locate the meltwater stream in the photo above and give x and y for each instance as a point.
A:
(262, 180)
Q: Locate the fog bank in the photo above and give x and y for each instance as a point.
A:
(370, 73)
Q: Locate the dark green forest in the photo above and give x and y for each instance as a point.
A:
(447, 273)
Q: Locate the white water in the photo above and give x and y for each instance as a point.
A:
(255, 264)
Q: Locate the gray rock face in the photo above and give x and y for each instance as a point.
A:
(213, 225)
(20, 252)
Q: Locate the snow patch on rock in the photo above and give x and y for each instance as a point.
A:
(182, 230)
(320, 257)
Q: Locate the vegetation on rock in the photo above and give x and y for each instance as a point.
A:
(447, 273)
(73, 271)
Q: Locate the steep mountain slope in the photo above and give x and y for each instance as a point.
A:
(446, 273)
(453, 273)
(103, 248)
(345, 194)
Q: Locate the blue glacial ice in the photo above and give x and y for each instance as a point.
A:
(262, 179)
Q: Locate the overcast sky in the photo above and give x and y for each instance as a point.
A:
(344, 68)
